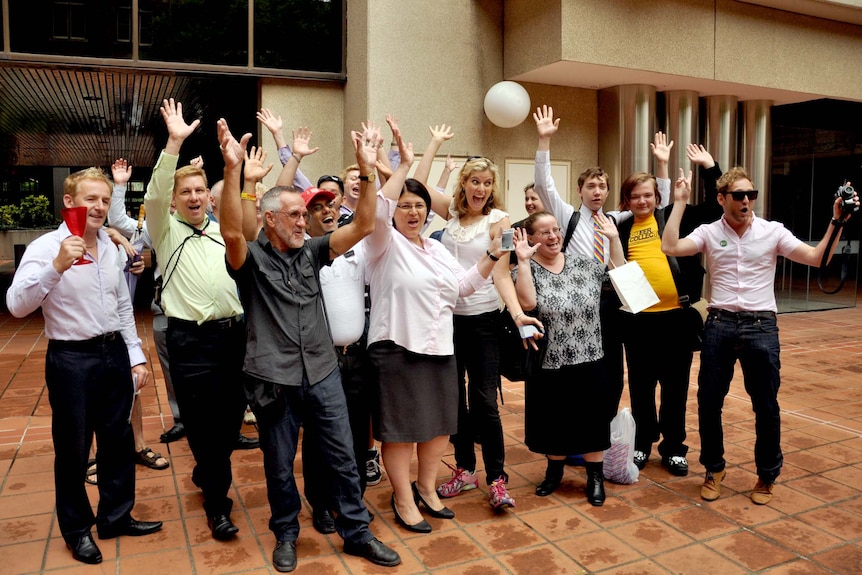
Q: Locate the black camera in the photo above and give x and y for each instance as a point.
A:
(848, 204)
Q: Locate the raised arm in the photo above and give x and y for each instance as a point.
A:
(813, 255)
(547, 126)
(610, 230)
(439, 134)
(524, 283)
(121, 172)
(671, 243)
(255, 171)
(661, 152)
(708, 169)
(274, 124)
(301, 148)
(230, 210)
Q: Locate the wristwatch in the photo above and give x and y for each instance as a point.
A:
(369, 178)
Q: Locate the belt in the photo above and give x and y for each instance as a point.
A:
(723, 314)
(211, 325)
(91, 343)
(352, 349)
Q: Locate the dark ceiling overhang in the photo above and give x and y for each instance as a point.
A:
(74, 116)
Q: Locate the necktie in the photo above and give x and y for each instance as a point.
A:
(598, 242)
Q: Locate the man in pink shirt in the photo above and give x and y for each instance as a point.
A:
(741, 250)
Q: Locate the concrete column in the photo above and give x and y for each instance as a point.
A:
(757, 148)
(682, 111)
(626, 127)
(721, 129)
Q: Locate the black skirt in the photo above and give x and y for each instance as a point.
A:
(566, 410)
(415, 396)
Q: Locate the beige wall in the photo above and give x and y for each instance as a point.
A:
(316, 105)
(720, 40)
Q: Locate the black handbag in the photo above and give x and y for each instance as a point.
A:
(517, 363)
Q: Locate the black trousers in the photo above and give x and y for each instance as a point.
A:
(90, 390)
(612, 344)
(206, 369)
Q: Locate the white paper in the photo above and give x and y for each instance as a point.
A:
(630, 283)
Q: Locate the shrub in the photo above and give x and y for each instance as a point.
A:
(35, 212)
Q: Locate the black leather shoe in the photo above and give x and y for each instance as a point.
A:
(421, 527)
(133, 528)
(243, 442)
(595, 484)
(175, 433)
(444, 513)
(85, 550)
(284, 556)
(374, 551)
(222, 528)
(676, 464)
(323, 521)
(548, 486)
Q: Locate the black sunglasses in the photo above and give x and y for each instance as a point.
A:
(741, 195)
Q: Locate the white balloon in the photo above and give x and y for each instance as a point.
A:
(507, 104)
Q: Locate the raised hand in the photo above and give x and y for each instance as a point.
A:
(523, 249)
(255, 168)
(178, 129)
(405, 149)
(698, 155)
(682, 189)
(274, 124)
(232, 151)
(366, 153)
(546, 125)
(121, 171)
(71, 249)
(451, 165)
(197, 162)
(301, 139)
(607, 226)
(661, 148)
(441, 133)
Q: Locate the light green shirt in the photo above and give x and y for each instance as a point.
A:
(199, 288)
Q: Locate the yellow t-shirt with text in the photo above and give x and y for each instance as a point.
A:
(645, 249)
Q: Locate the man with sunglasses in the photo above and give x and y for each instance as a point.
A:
(741, 250)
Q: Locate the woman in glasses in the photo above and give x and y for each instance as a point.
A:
(660, 340)
(415, 284)
(564, 292)
(473, 219)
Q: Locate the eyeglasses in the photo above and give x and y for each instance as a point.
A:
(548, 233)
(294, 214)
(408, 207)
(317, 208)
(741, 194)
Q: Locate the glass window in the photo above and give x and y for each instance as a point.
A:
(90, 28)
(205, 32)
(299, 35)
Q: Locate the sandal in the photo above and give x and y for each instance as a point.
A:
(151, 458)
(91, 477)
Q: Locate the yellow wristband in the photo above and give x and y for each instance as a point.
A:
(250, 197)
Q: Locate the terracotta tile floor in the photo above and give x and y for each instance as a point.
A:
(658, 525)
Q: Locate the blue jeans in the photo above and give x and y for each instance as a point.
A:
(751, 337)
(322, 410)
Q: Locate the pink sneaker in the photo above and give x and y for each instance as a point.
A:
(462, 480)
(499, 496)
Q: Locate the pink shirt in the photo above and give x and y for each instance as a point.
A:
(413, 289)
(742, 269)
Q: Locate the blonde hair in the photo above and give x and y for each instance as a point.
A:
(188, 172)
(72, 181)
(477, 164)
(734, 174)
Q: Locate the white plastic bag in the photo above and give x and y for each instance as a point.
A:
(619, 465)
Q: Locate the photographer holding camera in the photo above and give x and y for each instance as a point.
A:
(742, 250)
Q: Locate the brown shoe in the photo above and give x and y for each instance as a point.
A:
(711, 488)
(762, 493)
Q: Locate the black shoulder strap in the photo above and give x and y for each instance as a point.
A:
(573, 223)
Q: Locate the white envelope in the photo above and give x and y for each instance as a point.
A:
(630, 283)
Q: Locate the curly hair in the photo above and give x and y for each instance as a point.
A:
(734, 174)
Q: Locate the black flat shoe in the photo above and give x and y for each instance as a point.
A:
(175, 433)
(421, 527)
(222, 527)
(85, 550)
(323, 521)
(374, 551)
(133, 528)
(243, 442)
(284, 556)
(444, 513)
(547, 486)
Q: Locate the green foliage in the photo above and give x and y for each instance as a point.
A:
(9, 216)
(31, 212)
